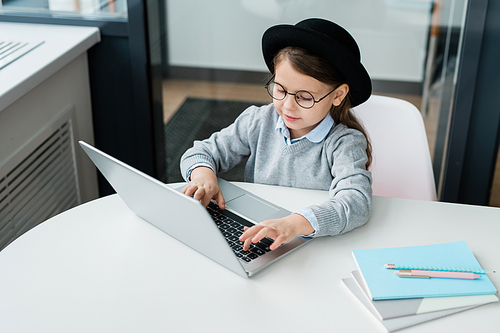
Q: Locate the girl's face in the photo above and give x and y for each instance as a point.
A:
(301, 121)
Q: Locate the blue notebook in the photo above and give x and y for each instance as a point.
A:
(382, 283)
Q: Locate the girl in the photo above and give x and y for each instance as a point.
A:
(306, 138)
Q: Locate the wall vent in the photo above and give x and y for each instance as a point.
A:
(40, 182)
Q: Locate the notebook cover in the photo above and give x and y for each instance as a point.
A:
(394, 308)
(382, 283)
(395, 324)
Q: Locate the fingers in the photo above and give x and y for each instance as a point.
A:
(264, 232)
(282, 230)
(277, 243)
(246, 244)
(204, 194)
(191, 189)
(188, 190)
(247, 237)
(220, 200)
(258, 232)
(199, 194)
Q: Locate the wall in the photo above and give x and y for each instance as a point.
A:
(226, 34)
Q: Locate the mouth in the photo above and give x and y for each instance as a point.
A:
(288, 118)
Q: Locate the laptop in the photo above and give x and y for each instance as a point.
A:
(211, 231)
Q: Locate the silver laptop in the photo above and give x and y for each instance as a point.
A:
(211, 231)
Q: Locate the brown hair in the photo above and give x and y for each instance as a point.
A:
(310, 64)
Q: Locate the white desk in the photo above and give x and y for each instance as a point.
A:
(99, 268)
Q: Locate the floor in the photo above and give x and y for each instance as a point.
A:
(495, 188)
(175, 93)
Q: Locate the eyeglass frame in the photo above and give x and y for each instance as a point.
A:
(295, 94)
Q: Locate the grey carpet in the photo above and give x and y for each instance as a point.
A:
(197, 119)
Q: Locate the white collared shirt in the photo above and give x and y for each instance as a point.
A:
(316, 135)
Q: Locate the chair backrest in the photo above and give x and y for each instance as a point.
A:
(401, 166)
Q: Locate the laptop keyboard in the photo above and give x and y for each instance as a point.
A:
(231, 226)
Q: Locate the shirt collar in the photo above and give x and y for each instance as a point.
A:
(316, 135)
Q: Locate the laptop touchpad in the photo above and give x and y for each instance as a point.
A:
(251, 208)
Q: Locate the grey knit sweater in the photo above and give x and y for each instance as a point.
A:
(336, 164)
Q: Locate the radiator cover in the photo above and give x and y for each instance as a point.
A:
(39, 181)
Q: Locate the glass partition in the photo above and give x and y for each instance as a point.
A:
(87, 9)
(409, 47)
(124, 72)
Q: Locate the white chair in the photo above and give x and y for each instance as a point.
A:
(401, 165)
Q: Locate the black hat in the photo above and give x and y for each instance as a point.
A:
(328, 40)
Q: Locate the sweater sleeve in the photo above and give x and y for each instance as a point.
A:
(350, 193)
(222, 150)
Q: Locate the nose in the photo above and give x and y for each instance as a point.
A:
(289, 102)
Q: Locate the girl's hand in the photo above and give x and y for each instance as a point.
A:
(204, 187)
(281, 230)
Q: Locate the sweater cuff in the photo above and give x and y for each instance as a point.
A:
(192, 162)
(329, 222)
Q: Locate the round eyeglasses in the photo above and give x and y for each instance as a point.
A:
(303, 98)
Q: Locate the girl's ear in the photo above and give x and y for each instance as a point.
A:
(340, 93)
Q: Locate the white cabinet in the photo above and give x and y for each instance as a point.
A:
(45, 108)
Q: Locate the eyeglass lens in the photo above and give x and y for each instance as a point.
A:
(303, 98)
